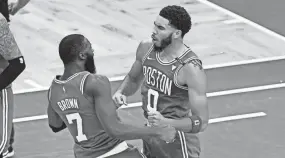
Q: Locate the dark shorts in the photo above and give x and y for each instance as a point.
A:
(122, 150)
(184, 146)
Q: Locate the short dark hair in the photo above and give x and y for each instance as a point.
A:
(178, 17)
(70, 46)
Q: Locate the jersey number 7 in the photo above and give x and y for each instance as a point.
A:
(75, 116)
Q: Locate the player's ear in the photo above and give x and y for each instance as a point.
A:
(82, 56)
(177, 34)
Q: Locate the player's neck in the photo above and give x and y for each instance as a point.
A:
(70, 70)
(174, 50)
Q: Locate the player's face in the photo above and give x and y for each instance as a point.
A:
(89, 62)
(162, 35)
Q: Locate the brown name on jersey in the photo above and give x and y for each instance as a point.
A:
(68, 103)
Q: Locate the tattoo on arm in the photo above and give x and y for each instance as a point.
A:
(197, 63)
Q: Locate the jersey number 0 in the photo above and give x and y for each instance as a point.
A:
(152, 98)
(75, 116)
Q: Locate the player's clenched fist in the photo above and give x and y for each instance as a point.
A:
(156, 119)
(119, 98)
(168, 134)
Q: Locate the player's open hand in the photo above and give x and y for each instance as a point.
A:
(120, 99)
(156, 119)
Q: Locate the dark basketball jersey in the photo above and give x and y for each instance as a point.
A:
(78, 113)
(161, 92)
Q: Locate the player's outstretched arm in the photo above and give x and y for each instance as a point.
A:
(105, 108)
(10, 51)
(194, 77)
(133, 79)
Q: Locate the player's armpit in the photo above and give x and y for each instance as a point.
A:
(55, 122)
(195, 78)
(135, 76)
(8, 46)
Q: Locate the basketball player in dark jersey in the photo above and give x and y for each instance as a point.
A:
(12, 64)
(81, 100)
(173, 86)
(6, 9)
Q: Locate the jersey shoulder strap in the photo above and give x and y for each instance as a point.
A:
(190, 57)
(148, 53)
(82, 82)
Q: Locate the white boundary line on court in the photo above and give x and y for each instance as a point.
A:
(251, 23)
(213, 94)
(237, 117)
(238, 17)
(229, 92)
(32, 83)
(214, 120)
(244, 62)
(120, 78)
(246, 90)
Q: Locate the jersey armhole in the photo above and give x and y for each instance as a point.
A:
(148, 52)
(175, 80)
(49, 94)
(187, 61)
(82, 83)
(82, 88)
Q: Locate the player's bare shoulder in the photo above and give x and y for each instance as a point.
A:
(143, 48)
(193, 73)
(193, 67)
(96, 83)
